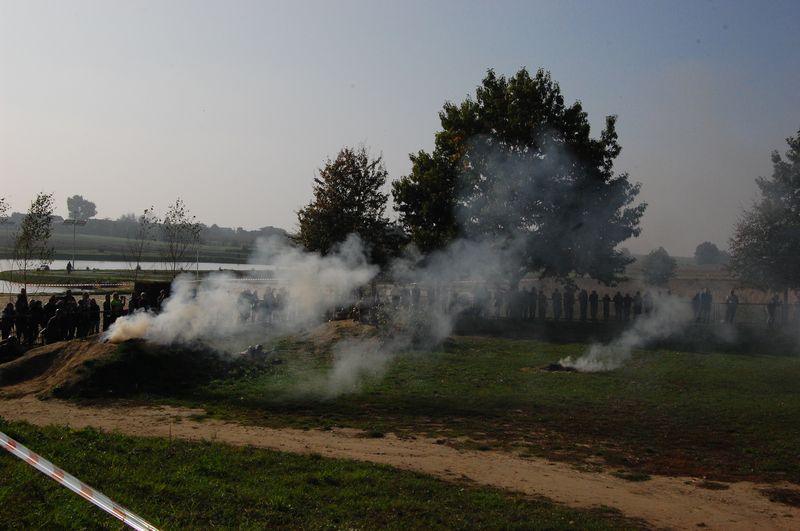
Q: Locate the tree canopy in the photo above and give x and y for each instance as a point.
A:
(348, 200)
(80, 208)
(765, 247)
(658, 267)
(709, 253)
(516, 165)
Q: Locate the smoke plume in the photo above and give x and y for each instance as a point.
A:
(670, 315)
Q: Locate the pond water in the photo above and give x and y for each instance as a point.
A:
(61, 265)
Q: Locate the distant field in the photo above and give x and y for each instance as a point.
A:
(724, 416)
(179, 485)
(93, 247)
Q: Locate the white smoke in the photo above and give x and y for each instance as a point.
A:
(670, 315)
(212, 309)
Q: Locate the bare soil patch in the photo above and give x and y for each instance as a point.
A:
(671, 502)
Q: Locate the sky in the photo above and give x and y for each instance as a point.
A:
(234, 105)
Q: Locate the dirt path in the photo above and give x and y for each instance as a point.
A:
(662, 501)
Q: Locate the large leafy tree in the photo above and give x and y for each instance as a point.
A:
(348, 199)
(658, 267)
(765, 247)
(80, 208)
(515, 164)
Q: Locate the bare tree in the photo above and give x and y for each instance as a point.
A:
(181, 235)
(31, 240)
(139, 239)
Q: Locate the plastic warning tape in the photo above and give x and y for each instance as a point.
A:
(74, 484)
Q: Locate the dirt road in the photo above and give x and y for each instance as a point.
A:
(669, 502)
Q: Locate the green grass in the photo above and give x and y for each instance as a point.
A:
(179, 485)
(725, 416)
(98, 247)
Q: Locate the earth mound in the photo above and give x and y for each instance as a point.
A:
(44, 368)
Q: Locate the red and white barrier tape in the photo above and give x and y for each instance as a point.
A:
(74, 484)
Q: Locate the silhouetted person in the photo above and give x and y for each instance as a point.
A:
(569, 303)
(593, 300)
(627, 302)
(647, 302)
(21, 320)
(531, 301)
(606, 306)
(705, 305)
(637, 305)
(7, 320)
(107, 319)
(36, 321)
(94, 317)
(619, 306)
(583, 301)
(557, 301)
(731, 303)
(772, 310)
(55, 328)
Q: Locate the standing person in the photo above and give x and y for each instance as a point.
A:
(772, 310)
(606, 306)
(569, 303)
(696, 306)
(7, 320)
(647, 302)
(637, 305)
(116, 307)
(731, 303)
(49, 310)
(557, 301)
(83, 316)
(627, 302)
(36, 321)
(583, 301)
(107, 319)
(619, 303)
(55, 328)
(21, 320)
(593, 300)
(532, 300)
(94, 317)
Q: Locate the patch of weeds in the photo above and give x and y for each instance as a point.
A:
(713, 485)
(631, 476)
(788, 497)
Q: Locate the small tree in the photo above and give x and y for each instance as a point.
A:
(658, 267)
(765, 247)
(31, 240)
(708, 253)
(139, 239)
(348, 200)
(3, 210)
(181, 235)
(80, 208)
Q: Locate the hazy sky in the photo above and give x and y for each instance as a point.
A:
(233, 105)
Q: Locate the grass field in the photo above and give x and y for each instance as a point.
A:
(179, 485)
(96, 247)
(722, 416)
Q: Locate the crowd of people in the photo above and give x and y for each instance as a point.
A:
(65, 317)
(68, 317)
